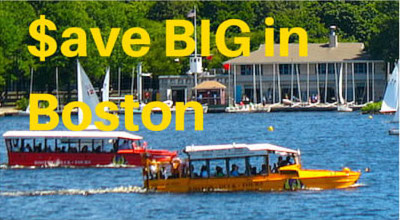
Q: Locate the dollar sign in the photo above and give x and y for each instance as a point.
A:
(44, 39)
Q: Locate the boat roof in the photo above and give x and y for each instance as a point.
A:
(235, 150)
(72, 134)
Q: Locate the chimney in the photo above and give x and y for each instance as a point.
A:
(333, 37)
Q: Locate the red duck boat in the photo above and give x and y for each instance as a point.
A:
(79, 148)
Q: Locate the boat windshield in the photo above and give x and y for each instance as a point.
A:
(55, 145)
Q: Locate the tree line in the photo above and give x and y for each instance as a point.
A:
(374, 23)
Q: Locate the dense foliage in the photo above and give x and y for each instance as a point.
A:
(374, 23)
(372, 108)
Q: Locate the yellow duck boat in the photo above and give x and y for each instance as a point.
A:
(241, 167)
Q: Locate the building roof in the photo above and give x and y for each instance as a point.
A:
(210, 85)
(316, 53)
(72, 134)
(235, 150)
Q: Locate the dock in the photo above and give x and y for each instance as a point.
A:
(8, 111)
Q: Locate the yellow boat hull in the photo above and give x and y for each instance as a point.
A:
(300, 179)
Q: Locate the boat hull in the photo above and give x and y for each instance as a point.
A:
(322, 180)
(46, 159)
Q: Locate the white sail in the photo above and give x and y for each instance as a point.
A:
(106, 86)
(390, 99)
(396, 116)
(86, 94)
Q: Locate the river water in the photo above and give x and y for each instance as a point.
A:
(327, 140)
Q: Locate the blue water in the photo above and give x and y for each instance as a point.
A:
(327, 140)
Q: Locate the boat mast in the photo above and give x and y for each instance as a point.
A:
(57, 96)
(195, 49)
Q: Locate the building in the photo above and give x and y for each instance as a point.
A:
(272, 79)
(318, 75)
(211, 93)
(181, 88)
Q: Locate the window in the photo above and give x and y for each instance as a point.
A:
(248, 69)
(322, 68)
(360, 68)
(285, 69)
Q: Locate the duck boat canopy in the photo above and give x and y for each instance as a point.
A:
(236, 150)
(72, 135)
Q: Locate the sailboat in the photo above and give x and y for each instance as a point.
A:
(390, 100)
(87, 94)
(342, 105)
(105, 91)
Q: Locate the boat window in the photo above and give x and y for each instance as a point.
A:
(85, 145)
(8, 144)
(62, 146)
(49, 145)
(237, 167)
(198, 169)
(273, 162)
(97, 145)
(280, 160)
(125, 144)
(257, 166)
(159, 171)
(27, 145)
(110, 145)
(14, 145)
(218, 168)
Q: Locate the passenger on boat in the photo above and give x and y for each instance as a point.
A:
(235, 170)
(153, 169)
(63, 149)
(253, 171)
(263, 169)
(275, 168)
(72, 150)
(28, 147)
(191, 169)
(280, 162)
(115, 147)
(96, 149)
(219, 172)
(47, 148)
(38, 148)
(85, 149)
(164, 173)
(124, 145)
(287, 161)
(203, 172)
(176, 168)
(22, 149)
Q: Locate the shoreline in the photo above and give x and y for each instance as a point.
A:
(12, 111)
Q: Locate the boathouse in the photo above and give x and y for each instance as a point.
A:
(316, 76)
